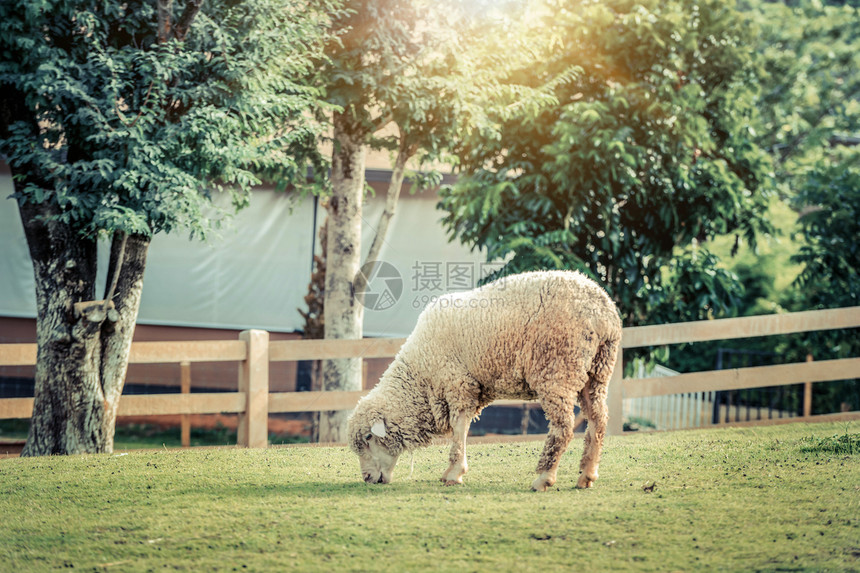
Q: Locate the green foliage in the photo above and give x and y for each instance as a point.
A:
(809, 72)
(416, 77)
(125, 128)
(768, 272)
(700, 287)
(822, 163)
(830, 225)
(373, 40)
(830, 255)
(147, 436)
(306, 509)
(384, 66)
(635, 423)
(648, 150)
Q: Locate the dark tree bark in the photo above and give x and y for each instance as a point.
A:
(83, 344)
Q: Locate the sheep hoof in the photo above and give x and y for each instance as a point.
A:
(454, 474)
(542, 483)
(584, 482)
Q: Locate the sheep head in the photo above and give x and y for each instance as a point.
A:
(377, 452)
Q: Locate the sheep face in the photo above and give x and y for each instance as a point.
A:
(376, 459)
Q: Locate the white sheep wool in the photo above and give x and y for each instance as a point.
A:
(550, 336)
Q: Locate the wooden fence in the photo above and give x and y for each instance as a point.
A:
(737, 378)
(253, 351)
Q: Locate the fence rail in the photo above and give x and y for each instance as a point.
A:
(739, 378)
(288, 350)
(253, 351)
(149, 404)
(745, 327)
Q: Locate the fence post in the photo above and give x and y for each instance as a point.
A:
(185, 388)
(615, 399)
(807, 394)
(254, 382)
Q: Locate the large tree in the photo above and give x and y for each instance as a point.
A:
(123, 119)
(809, 70)
(392, 74)
(807, 66)
(830, 275)
(648, 153)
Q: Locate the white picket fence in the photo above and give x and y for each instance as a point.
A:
(669, 412)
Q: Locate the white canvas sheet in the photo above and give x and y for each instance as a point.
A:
(256, 273)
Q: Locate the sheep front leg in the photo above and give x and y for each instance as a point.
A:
(559, 411)
(458, 467)
(556, 444)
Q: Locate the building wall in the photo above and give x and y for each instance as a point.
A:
(253, 275)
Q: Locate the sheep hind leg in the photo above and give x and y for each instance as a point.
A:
(592, 400)
(458, 466)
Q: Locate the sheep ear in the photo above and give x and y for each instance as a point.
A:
(378, 429)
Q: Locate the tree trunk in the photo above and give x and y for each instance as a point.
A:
(397, 175)
(343, 316)
(314, 327)
(83, 344)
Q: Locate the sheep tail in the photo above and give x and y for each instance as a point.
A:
(604, 361)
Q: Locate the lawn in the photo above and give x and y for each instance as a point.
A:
(780, 498)
(146, 436)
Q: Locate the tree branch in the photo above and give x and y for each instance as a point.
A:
(397, 175)
(381, 121)
(116, 340)
(180, 31)
(117, 268)
(139, 113)
(165, 20)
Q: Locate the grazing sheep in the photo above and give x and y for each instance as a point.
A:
(551, 336)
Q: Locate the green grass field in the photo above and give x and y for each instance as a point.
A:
(781, 498)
